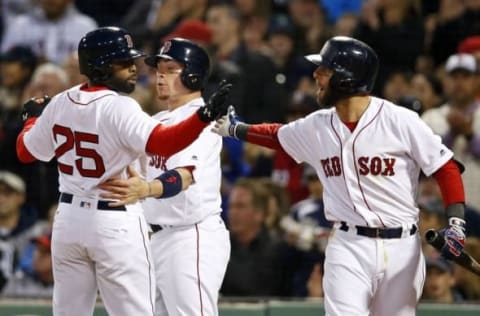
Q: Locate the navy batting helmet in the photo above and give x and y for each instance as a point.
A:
(354, 63)
(99, 48)
(194, 57)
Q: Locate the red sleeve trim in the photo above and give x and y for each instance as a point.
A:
(22, 152)
(168, 140)
(450, 182)
(265, 135)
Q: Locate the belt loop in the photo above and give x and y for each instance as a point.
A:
(413, 230)
(405, 230)
(344, 226)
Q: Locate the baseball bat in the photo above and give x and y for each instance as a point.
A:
(464, 260)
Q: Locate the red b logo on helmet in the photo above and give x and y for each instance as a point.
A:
(129, 40)
(166, 47)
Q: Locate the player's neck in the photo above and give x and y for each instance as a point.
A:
(176, 102)
(351, 109)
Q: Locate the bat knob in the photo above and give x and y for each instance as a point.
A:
(431, 235)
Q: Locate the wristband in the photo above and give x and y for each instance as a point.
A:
(172, 183)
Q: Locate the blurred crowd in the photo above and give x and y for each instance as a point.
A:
(430, 57)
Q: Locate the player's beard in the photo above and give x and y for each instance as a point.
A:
(120, 85)
(329, 99)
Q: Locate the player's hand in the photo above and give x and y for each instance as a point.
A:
(226, 125)
(216, 105)
(454, 236)
(34, 107)
(126, 191)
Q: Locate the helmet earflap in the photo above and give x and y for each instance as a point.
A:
(191, 80)
(101, 47)
(100, 74)
(354, 63)
(343, 84)
(194, 58)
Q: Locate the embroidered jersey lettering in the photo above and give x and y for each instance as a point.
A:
(366, 165)
(99, 140)
(202, 197)
(380, 153)
(158, 162)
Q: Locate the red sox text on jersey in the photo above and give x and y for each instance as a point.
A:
(158, 162)
(366, 165)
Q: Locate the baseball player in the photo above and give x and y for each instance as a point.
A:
(368, 154)
(190, 243)
(95, 133)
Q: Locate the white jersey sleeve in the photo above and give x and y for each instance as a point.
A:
(202, 197)
(296, 137)
(134, 124)
(426, 148)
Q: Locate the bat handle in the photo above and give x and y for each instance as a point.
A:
(435, 239)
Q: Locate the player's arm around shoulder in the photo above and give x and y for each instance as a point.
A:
(135, 188)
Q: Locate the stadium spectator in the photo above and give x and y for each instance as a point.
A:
(256, 265)
(306, 230)
(385, 22)
(39, 284)
(440, 281)
(18, 223)
(458, 121)
(427, 89)
(467, 283)
(16, 68)
(291, 68)
(72, 70)
(263, 97)
(456, 21)
(310, 26)
(52, 30)
(286, 171)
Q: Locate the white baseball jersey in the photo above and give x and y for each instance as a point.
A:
(191, 252)
(370, 175)
(104, 133)
(202, 198)
(95, 135)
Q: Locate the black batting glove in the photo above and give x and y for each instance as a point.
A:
(216, 105)
(34, 107)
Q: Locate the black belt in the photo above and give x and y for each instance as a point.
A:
(155, 228)
(384, 233)
(101, 205)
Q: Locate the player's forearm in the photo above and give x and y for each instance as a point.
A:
(168, 140)
(22, 152)
(450, 182)
(157, 187)
(265, 135)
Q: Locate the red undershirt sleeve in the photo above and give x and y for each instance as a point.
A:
(168, 140)
(450, 182)
(22, 152)
(265, 135)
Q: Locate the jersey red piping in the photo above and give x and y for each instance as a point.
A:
(79, 103)
(85, 87)
(198, 270)
(341, 161)
(356, 169)
(152, 304)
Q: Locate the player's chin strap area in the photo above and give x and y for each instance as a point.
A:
(373, 232)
